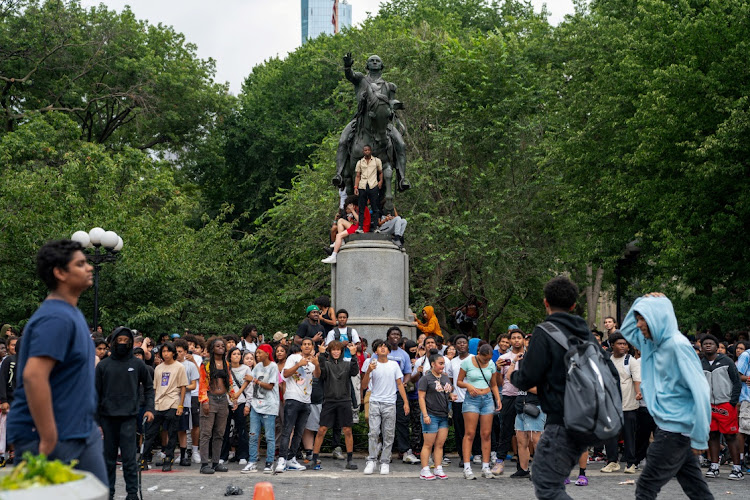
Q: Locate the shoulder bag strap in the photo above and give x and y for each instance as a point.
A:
(557, 335)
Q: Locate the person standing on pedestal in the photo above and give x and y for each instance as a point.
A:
(368, 183)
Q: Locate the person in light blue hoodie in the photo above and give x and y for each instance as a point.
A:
(676, 394)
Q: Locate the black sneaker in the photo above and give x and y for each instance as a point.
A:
(167, 465)
(207, 469)
(221, 468)
(350, 466)
(520, 474)
(185, 461)
(143, 465)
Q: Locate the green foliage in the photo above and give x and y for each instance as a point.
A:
(123, 81)
(168, 274)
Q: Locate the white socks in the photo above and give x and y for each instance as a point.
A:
(467, 465)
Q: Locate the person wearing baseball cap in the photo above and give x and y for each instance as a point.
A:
(311, 327)
(280, 338)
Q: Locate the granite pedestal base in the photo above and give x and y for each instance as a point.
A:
(371, 281)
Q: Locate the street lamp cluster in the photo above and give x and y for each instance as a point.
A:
(97, 239)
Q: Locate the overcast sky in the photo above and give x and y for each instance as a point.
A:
(240, 34)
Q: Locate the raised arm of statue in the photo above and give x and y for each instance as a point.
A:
(353, 76)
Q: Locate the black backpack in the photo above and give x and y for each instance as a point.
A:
(337, 334)
(593, 404)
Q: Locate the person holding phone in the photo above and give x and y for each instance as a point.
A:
(509, 394)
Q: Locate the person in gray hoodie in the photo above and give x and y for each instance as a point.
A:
(724, 382)
(118, 380)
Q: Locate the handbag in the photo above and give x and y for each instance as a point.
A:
(531, 410)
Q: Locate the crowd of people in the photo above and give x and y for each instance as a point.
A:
(74, 394)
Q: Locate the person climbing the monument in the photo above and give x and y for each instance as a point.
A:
(346, 228)
(393, 224)
(367, 184)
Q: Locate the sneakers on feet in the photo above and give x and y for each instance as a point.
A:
(329, 260)
(630, 469)
(520, 474)
(567, 481)
(498, 468)
(294, 465)
(487, 474)
(582, 481)
(359, 231)
(338, 454)
(280, 466)
(385, 469)
(736, 475)
(477, 459)
(468, 474)
(243, 461)
(446, 461)
(712, 472)
(167, 465)
(351, 466)
(493, 458)
(207, 469)
(185, 462)
(317, 466)
(410, 458)
(221, 468)
(611, 467)
(268, 469)
(196, 457)
(251, 467)
(370, 468)
(426, 474)
(439, 473)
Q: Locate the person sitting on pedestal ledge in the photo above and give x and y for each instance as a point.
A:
(345, 227)
(395, 225)
(430, 326)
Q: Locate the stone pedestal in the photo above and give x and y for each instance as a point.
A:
(371, 281)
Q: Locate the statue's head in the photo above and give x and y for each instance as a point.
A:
(374, 63)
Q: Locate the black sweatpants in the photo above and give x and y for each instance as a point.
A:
(120, 432)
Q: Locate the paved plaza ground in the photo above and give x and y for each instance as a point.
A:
(186, 483)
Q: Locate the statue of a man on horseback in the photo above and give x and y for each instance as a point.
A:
(374, 124)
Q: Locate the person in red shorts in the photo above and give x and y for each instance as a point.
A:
(346, 227)
(725, 384)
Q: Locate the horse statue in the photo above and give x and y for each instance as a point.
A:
(372, 125)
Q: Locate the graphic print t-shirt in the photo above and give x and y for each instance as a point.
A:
(167, 381)
(437, 393)
(299, 385)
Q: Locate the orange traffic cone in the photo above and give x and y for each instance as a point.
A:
(263, 491)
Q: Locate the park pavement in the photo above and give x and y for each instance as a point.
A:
(403, 483)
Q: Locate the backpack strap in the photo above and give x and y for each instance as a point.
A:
(557, 335)
(336, 334)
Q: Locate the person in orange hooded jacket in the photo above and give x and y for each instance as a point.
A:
(430, 325)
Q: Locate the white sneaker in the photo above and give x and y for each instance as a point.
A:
(487, 474)
(329, 260)
(338, 454)
(333, 245)
(493, 458)
(221, 461)
(410, 458)
(294, 465)
(427, 475)
(468, 474)
(478, 459)
(243, 461)
(230, 456)
(280, 466)
(369, 468)
(196, 457)
(385, 469)
(251, 467)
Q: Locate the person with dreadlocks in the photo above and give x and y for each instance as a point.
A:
(212, 396)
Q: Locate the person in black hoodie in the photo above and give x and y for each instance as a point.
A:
(336, 375)
(544, 367)
(118, 380)
(725, 384)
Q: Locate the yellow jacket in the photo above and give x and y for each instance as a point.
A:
(431, 326)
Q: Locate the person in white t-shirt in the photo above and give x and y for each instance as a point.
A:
(299, 370)
(249, 341)
(383, 378)
(195, 349)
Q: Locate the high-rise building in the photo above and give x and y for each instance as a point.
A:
(324, 16)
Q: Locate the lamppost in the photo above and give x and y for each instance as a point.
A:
(96, 239)
(632, 250)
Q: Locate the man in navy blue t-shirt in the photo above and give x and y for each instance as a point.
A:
(55, 399)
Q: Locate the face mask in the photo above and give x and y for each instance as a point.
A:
(122, 350)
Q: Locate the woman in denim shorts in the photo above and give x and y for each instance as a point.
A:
(528, 430)
(435, 394)
(478, 376)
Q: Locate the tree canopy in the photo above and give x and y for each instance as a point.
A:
(533, 150)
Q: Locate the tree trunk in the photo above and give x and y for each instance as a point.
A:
(593, 290)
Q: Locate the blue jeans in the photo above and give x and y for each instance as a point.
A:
(88, 451)
(269, 424)
(483, 405)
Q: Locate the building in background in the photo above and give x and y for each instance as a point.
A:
(324, 16)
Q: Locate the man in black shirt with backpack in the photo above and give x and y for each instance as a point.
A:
(545, 367)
